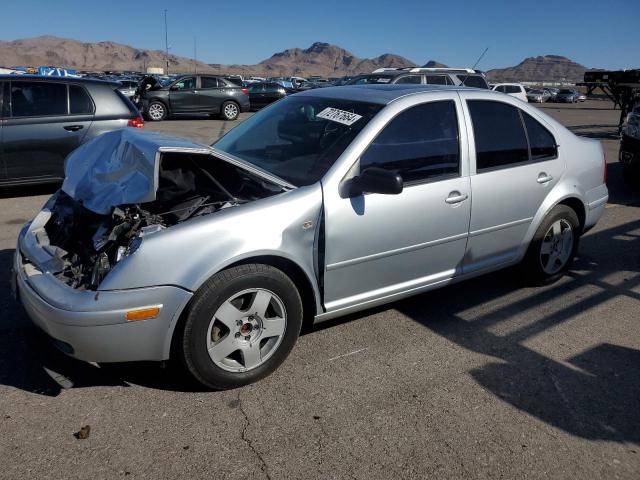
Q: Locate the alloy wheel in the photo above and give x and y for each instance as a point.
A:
(231, 110)
(246, 330)
(156, 111)
(556, 247)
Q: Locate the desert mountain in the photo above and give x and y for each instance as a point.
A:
(62, 52)
(548, 68)
(319, 59)
(434, 64)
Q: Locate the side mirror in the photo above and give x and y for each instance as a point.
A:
(376, 180)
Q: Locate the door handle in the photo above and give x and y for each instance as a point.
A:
(73, 128)
(544, 178)
(456, 197)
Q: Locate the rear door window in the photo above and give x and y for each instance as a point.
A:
(438, 80)
(38, 99)
(209, 82)
(513, 89)
(541, 142)
(420, 144)
(416, 79)
(79, 101)
(499, 135)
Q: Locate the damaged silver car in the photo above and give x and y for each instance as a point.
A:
(325, 203)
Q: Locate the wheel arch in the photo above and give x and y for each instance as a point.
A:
(289, 267)
(571, 198)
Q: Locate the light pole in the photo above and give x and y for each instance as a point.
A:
(166, 41)
(195, 56)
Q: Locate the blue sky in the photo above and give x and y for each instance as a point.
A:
(594, 33)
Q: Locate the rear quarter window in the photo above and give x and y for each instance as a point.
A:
(541, 142)
(79, 101)
(475, 81)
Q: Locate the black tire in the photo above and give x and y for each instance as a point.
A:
(192, 345)
(531, 266)
(156, 106)
(229, 113)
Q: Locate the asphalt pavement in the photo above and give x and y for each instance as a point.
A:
(483, 379)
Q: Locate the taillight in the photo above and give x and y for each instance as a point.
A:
(137, 122)
(604, 175)
(245, 91)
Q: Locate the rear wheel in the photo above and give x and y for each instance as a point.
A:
(229, 110)
(553, 247)
(240, 326)
(156, 111)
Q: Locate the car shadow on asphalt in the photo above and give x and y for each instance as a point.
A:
(593, 394)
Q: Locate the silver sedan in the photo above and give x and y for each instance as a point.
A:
(325, 203)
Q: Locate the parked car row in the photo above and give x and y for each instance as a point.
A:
(540, 95)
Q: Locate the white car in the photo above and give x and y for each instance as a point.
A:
(513, 89)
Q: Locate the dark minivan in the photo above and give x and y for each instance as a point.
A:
(192, 94)
(42, 119)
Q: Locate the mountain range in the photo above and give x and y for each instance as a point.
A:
(320, 58)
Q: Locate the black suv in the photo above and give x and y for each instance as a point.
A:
(192, 94)
(432, 76)
(42, 119)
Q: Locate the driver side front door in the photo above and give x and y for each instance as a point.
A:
(183, 96)
(382, 246)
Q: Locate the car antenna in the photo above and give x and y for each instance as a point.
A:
(474, 65)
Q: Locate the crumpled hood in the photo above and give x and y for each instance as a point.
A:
(120, 167)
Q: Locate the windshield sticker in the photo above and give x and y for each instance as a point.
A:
(340, 116)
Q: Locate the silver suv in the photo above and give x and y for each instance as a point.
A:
(324, 203)
(422, 75)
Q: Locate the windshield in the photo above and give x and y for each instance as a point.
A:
(565, 91)
(298, 138)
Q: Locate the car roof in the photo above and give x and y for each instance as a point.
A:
(381, 94)
(58, 79)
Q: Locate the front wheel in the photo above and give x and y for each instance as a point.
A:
(240, 326)
(229, 110)
(156, 111)
(553, 247)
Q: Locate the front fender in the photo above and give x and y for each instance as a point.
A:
(188, 254)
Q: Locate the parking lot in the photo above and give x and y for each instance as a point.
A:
(483, 379)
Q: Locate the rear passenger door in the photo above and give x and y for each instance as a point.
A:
(47, 121)
(516, 166)
(211, 93)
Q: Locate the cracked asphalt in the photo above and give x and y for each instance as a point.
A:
(484, 379)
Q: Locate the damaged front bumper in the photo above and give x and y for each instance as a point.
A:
(92, 325)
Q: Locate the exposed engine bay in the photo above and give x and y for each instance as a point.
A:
(88, 244)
